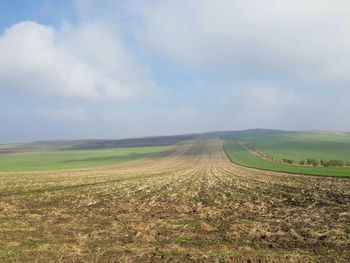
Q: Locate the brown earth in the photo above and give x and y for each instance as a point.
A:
(190, 204)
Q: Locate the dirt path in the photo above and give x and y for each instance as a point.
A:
(190, 204)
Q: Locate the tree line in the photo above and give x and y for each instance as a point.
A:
(315, 163)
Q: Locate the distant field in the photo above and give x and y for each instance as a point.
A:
(69, 159)
(297, 146)
(96, 143)
(293, 146)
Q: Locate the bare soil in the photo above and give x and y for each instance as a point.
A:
(190, 204)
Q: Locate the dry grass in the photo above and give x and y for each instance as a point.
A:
(188, 205)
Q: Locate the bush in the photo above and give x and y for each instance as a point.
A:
(333, 163)
(288, 161)
(324, 163)
(315, 163)
(312, 162)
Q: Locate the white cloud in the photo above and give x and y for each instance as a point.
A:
(309, 40)
(87, 61)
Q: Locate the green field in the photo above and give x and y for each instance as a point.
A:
(69, 159)
(294, 146)
(297, 146)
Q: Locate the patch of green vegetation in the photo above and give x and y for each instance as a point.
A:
(239, 155)
(71, 159)
(297, 146)
(3, 226)
(32, 244)
(186, 223)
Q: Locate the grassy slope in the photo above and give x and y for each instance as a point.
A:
(68, 159)
(241, 156)
(297, 146)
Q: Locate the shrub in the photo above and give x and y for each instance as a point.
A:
(312, 162)
(288, 161)
(333, 163)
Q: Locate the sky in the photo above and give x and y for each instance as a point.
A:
(116, 69)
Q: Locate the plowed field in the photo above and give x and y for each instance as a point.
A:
(189, 204)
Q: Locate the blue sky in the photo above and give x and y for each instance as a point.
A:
(116, 69)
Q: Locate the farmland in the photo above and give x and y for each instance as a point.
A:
(41, 160)
(300, 145)
(294, 146)
(187, 204)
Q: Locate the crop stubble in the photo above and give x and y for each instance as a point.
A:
(187, 204)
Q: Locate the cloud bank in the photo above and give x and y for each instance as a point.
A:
(88, 62)
(308, 40)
